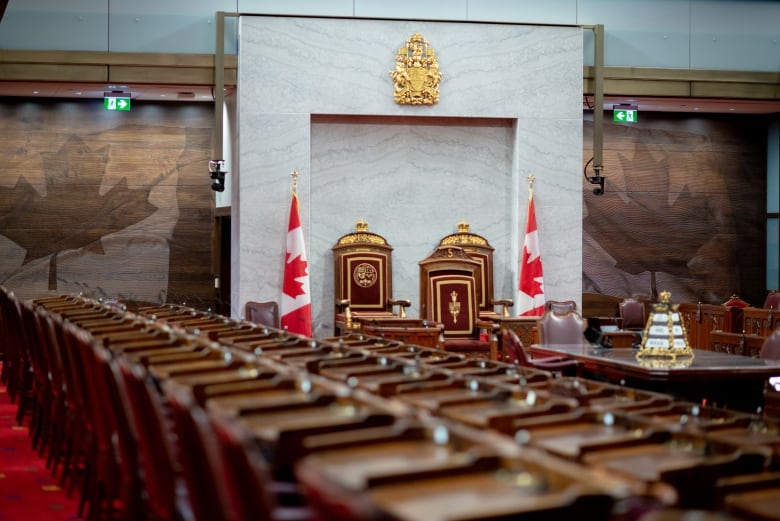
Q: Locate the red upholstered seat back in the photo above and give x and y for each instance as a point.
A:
(514, 352)
(771, 348)
(772, 300)
(632, 311)
(364, 280)
(453, 302)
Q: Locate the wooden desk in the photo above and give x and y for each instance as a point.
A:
(409, 331)
(737, 343)
(621, 337)
(721, 379)
(525, 327)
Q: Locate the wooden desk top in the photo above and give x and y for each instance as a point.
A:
(707, 365)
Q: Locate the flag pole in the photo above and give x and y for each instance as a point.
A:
(296, 297)
(530, 298)
(294, 174)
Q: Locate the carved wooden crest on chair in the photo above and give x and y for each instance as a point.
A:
(449, 290)
(363, 283)
(478, 248)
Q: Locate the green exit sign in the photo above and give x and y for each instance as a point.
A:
(625, 115)
(116, 103)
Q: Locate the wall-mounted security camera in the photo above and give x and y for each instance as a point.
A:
(217, 173)
(596, 179)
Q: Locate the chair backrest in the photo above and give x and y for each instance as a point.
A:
(632, 311)
(362, 266)
(151, 426)
(562, 329)
(514, 352)
(449, 289)
(245, 472)
(478, 248)
(198, 451)
(263, 313)
(772, 300)
(560, 307)
(771, 348)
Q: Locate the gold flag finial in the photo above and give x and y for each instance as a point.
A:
(294, 174)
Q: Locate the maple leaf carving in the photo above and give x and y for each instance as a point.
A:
(674, 227)
(294, 270)
(72, 214)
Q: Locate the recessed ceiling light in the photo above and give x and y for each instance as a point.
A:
(35, 92)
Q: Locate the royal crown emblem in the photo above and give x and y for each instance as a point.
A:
(416, 76)
(454, 307)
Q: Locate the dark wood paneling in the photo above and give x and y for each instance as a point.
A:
(683, 211)
(113, 204)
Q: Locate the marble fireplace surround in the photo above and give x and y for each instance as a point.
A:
(315, 95)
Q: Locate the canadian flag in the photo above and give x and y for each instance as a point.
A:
(530, 298)
(296, 298)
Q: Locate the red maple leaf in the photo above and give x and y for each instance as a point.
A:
(530, 283)
(293, 270)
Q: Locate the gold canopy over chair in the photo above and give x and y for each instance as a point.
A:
(363, 279)
(449, 292)
(478, 248)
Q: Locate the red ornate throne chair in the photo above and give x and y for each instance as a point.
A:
(478, 248)
(363, 285)
(449, 295)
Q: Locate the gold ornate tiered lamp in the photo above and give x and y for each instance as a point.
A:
(664, 336)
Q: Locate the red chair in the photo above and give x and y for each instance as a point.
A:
(363, 285)
(449, 292)
(252, 493)
(633, 314)
(514, 352)
(770, 350)
(197, 450)
(166, 496)
(478, 248)
(772, 300)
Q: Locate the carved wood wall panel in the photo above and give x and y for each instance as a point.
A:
(124, 202)
(684, 209)
(114, 205)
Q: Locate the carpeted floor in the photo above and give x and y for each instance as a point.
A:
(27, 490)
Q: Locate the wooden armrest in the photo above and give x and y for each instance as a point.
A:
(343, 303)
(489, 325)
(505, 304)
(402, 305)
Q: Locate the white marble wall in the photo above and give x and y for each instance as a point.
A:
(315, 96)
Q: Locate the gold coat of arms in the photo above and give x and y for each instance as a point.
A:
(416, 76)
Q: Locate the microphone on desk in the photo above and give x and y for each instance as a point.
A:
(597, 338)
